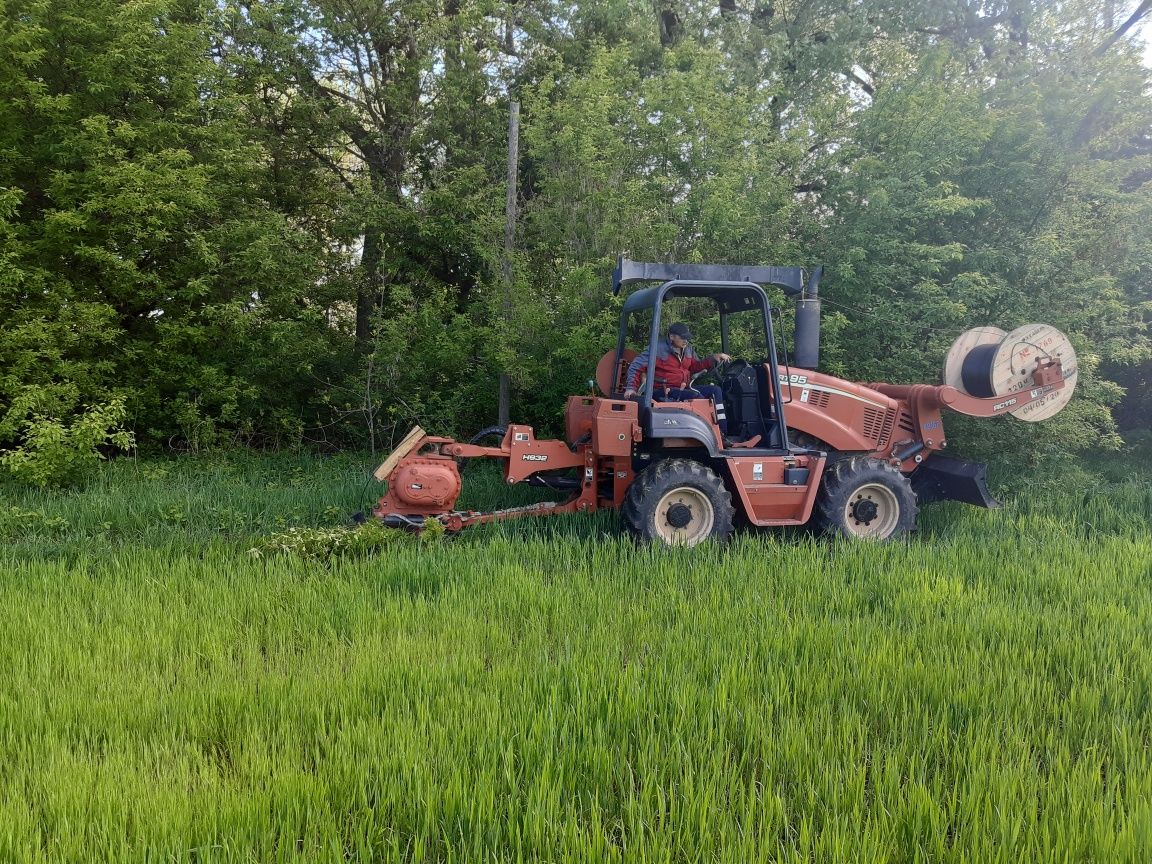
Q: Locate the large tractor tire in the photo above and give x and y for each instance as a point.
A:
(862, 498)
(678, 502)
(490, 437)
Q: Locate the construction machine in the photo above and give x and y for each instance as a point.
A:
(802, 447)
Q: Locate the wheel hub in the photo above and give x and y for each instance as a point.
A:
(864, 511)
(679, 515)
(684, 516)
(872, 510)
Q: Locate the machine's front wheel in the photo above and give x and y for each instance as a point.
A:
(867, 499)
(678, 502)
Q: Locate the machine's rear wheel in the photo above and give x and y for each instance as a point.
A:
(678, 502)
(867, 499)
(490, 437)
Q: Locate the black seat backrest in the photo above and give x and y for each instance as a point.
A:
(766, 405)
(742, 403)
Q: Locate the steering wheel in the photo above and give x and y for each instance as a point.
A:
(734, 368)
(721, 370)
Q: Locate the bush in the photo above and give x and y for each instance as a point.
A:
(323, 544)
(54, 454)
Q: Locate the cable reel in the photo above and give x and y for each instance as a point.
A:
(986, 362)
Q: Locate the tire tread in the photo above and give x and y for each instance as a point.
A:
(655, 481)
(844, 476)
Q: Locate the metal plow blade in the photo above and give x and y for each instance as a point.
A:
(942, 478)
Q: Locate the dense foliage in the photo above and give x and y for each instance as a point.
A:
(281, 221)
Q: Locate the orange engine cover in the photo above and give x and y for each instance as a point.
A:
(426, 483)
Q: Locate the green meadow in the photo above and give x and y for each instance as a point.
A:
(548, 691)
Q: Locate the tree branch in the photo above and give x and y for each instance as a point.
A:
(334, 166)
(1141, 10)
(865, 85)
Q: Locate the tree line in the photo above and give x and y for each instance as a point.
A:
(281, 223)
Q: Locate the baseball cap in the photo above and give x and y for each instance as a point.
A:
(680, 329)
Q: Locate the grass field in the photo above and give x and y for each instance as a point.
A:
(547, 691)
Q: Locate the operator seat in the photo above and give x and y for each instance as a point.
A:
(748, 404)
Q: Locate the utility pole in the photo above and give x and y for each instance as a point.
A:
(503, 407)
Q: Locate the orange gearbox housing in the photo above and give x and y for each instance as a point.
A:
(423, 485)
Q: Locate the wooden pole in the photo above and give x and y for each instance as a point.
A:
(503, 403)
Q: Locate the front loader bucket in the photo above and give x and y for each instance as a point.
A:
(942, 478)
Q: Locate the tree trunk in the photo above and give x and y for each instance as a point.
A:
(504, 397)
(367, 287)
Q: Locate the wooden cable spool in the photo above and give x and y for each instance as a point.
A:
(987, 362)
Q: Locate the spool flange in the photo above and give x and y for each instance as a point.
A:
(1015, 361)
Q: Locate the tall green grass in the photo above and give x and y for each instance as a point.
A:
(547, 691)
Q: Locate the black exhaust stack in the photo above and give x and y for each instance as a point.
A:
(807, 353)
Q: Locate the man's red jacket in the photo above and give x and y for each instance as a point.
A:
(672, 371)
